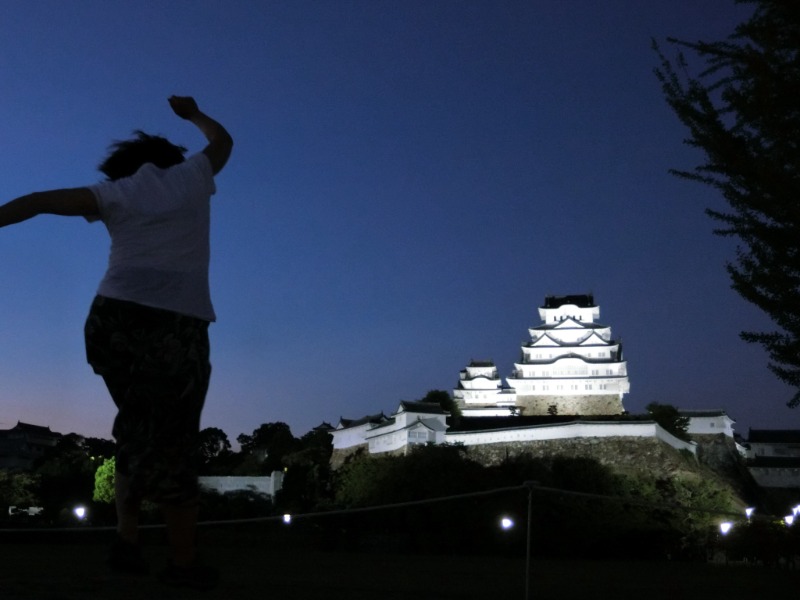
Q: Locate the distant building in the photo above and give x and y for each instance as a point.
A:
(350, 433)
(412, 423)
(773, 457)
(773, 443)
(708, 422)
(21, 445)
(570, 366)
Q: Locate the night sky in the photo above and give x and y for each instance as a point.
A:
(410, 179)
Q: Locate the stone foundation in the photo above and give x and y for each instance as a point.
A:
(618, 453)
(570, 405)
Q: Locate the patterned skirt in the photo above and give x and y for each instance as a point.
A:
(156, 366)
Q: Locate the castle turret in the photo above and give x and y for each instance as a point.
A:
(480, 391)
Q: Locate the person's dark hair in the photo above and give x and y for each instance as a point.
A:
(126, 157)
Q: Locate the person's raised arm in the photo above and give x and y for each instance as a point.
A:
(70, 202)
(220, 143)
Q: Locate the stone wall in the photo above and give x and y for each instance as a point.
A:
(571, 405)
(619, 453)
(340, 455)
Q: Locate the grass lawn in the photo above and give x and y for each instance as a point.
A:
(255, 564)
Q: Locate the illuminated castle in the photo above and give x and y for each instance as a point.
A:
(570, 366)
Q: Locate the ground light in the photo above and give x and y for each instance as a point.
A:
(506, 523)
(287, 518)
(79, 512)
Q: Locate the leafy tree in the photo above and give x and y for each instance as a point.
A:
(307, 481)
(98, 447)
(18, 489)
(670, 419)
(104, 481)
(67, 474)
(741, 110)
(213, 442)
(271, 442)
(444, 400)
(215, 452)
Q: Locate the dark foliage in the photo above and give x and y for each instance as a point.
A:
(579, 507)
(741, 111)
(269, 443)
(670, 419)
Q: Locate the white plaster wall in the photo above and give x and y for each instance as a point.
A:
(264, 485)
(351, 436)
(709, 425)
(776, 478)
(550, 315)
(774, 450)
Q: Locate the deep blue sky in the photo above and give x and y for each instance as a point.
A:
(410, 179)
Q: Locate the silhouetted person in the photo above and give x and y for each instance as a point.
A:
(147, 330)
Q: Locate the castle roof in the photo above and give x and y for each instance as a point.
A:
(585, 359)
(579, 300)
(466, 424)
(708, 412)
(28, 428)
(572, 323)
(590, 339)
(369, 419)
(774, 436)
(430, 408)
(481, 363)
(774, 462)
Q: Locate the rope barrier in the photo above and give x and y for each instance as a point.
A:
(528, 485)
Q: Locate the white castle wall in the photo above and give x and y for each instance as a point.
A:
(263, 485)
(772, 477)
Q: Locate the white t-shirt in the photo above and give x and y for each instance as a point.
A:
(159, 222)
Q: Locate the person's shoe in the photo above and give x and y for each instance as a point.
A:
(196, 576)
(126, 557)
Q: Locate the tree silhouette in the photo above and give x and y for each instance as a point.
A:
(741, 110)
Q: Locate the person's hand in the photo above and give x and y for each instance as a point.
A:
(183, 106)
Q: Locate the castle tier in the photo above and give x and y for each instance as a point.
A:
(571, 366)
